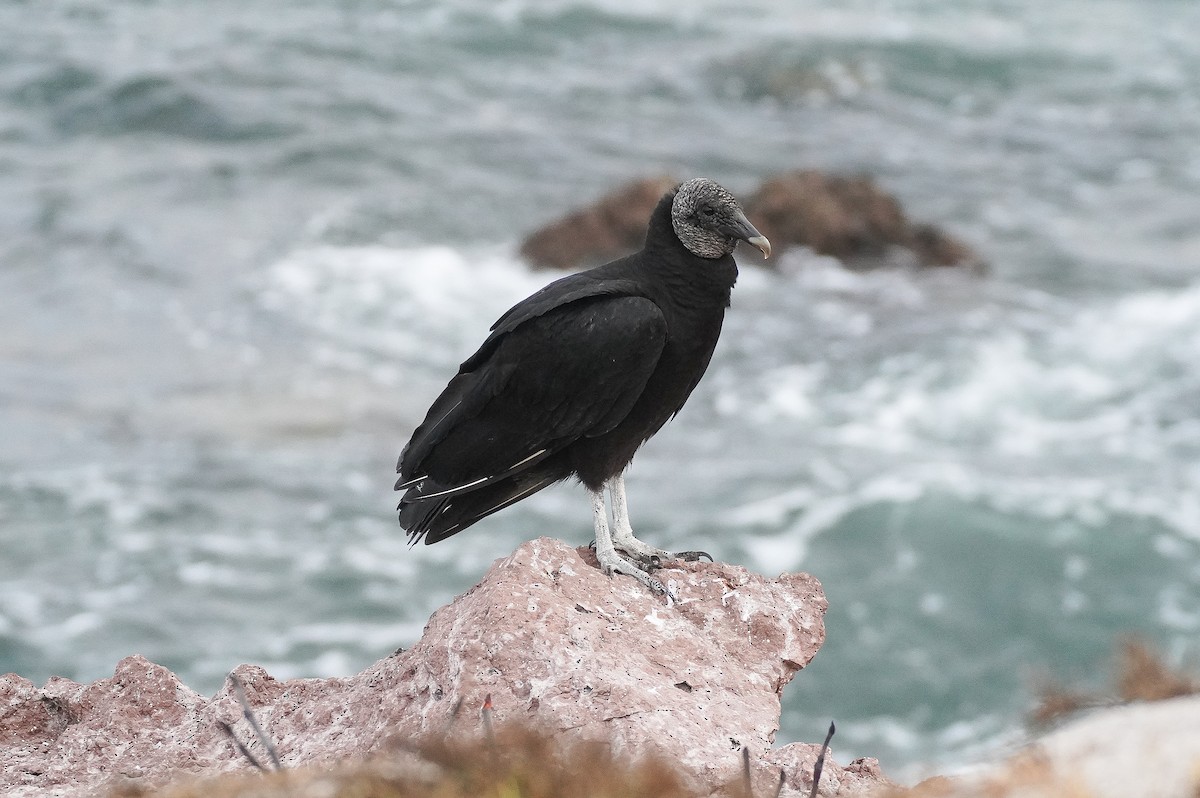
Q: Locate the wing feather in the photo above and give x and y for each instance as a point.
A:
(565, 372)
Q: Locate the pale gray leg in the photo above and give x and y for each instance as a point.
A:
(610, 561)
(622, 534)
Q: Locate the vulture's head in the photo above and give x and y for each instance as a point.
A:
(709, 221)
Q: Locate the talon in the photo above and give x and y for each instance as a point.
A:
(649, 559)
(693, 556)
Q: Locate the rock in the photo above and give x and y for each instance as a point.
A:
(933, 247)
(1145, 748)
(848, 218)
(796, 761)
(1150, 748)
(851, 219)
(613, 226)
(554, 643)
(67, 738)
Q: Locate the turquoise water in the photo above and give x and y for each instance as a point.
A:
(243, 245)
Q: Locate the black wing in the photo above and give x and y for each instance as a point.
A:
(564, 291)
(553, 371)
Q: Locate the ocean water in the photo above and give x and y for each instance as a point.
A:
(243, 245)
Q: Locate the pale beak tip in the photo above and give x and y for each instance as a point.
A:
(762, 244)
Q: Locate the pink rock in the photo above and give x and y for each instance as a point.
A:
(68, 738)
(553, 641)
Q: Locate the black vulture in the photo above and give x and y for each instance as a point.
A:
(573, 379)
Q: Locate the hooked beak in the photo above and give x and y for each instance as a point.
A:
(762, 244)
(740, 228)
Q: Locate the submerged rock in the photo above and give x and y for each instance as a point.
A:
(545, 636)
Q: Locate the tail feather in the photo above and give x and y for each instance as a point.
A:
(433, 519)
(427, 490)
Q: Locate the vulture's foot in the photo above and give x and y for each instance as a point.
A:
(649, 557)
(614, 563)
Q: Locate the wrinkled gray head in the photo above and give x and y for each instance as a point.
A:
(709, 221)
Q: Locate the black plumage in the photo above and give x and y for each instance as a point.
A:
(573, 379)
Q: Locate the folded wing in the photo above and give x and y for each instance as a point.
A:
(541, 381)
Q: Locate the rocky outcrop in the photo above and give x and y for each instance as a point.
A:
(554, 643)
(848, 218)
(67, 739)
(851, 219)
(1140, 749)
(612, 226)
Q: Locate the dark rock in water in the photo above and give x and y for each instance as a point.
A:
(546, 639)
(848, 218)
(613, 226)
(851, 219)
(935, 247)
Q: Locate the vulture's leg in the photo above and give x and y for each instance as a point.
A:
(610, 561)
(622, 535)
